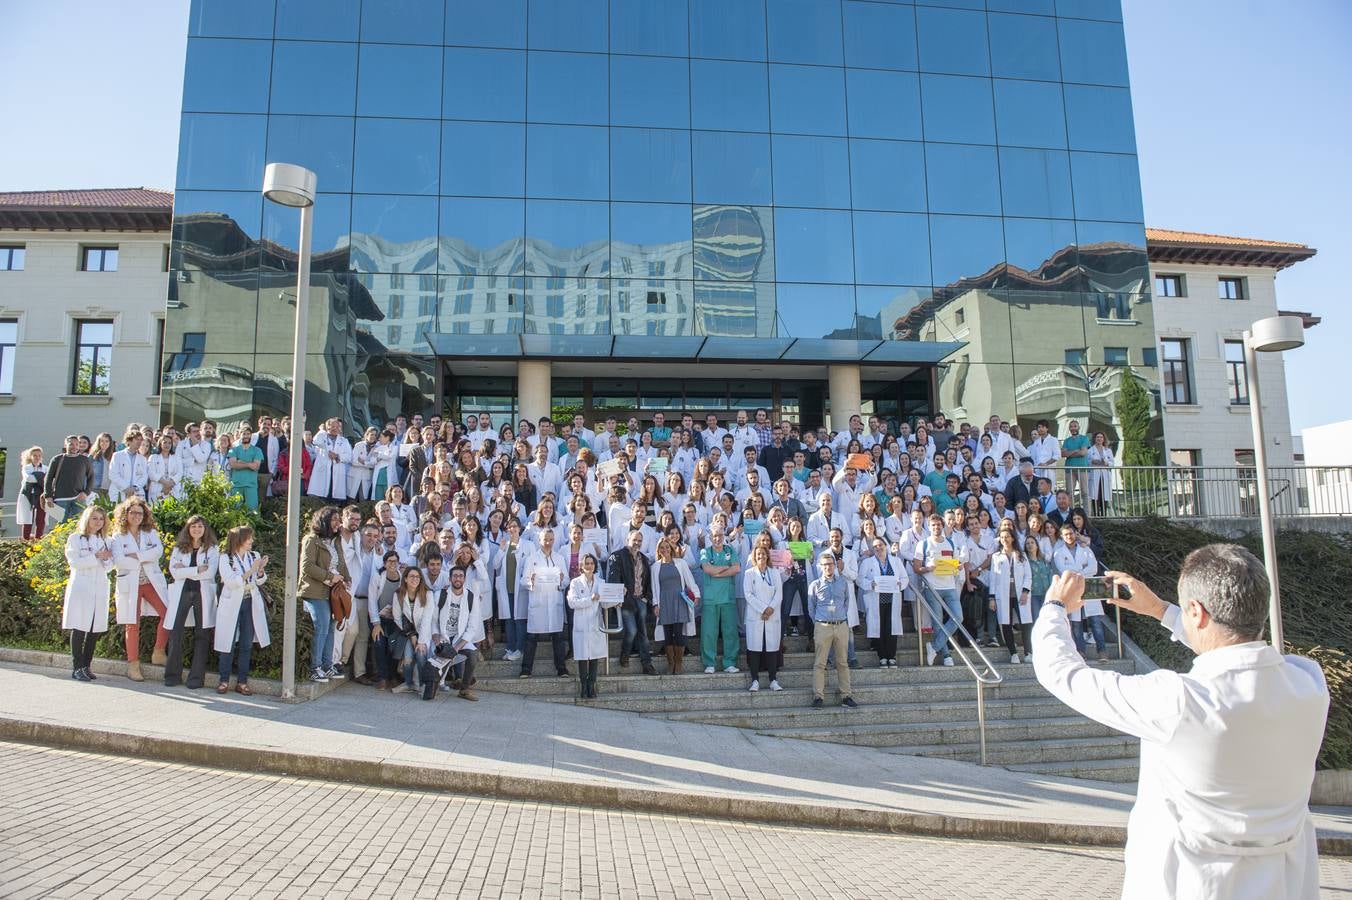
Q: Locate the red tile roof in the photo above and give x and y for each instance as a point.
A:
(1201, 237)
(1166, 245)
(97, 198)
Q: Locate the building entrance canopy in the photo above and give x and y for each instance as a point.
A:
(689, 348)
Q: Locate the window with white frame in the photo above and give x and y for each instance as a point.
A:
(98, 259)
(1232, 288)
(93, 356)
(1176, 374)
(11, 257)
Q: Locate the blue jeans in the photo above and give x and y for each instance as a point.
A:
(321, 649)
(1095, 626)
(634, 615)
(244, 636)
(73, 508)
(413, 658)
(794, 586)
(944, 626)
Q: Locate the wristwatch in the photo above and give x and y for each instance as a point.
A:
(1054, 603)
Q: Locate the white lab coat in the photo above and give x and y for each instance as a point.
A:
(1227, 759)
(194, 458)
(1001, 566)
(762, 636)
(469, 623)
(1081, 560)
(359, 472)
(382, 457)
(86, 603)
(326, 469)
(690, 585)
(181, 571)
(135, 554)
(545, 608)
(127, 475)
(234, 588)
(161, 466)
(869, 571)
(1101, 476)
(524, 552)
(24, 513)
(589, 641)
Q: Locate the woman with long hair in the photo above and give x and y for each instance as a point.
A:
(590, 643)
(763, 587)
(1011, 593)
(193, 564)
(165, 471)
(29, 512)
(409, 607)
(321, 567)
(241, 617)
(141, 588)
(1101, 464)
(101, 458)
(675, 593)
(84, 611)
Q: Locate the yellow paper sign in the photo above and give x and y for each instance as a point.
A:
(947, 565)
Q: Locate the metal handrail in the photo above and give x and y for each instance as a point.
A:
(990, 677)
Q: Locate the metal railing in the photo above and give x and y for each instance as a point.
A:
(990, 677)
(1216, 492)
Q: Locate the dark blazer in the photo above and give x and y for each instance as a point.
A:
(620, 570)
(416, 466)
(1056, 516)
(1016, 490)
(792, 508)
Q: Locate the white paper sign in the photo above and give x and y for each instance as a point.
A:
(610, 468)
(595, 536)
(546, 579)
(885, 584)
(611, 594)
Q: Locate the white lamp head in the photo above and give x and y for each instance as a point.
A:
(1277, 333)
(289, 185)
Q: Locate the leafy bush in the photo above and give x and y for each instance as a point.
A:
(212, 499)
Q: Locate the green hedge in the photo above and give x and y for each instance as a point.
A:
(1316, 608)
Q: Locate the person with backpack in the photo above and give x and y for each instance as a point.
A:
(939, 561)
(451, 633)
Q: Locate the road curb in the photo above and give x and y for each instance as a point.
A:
(513, 787)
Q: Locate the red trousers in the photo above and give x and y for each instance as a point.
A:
(34, 531)
(133, 633)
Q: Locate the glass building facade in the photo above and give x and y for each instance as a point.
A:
(946, 188)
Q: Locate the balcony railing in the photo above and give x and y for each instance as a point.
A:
(1227, 492)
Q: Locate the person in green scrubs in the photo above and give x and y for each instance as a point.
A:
(1075, 451)
(245, 460)
(719, 602)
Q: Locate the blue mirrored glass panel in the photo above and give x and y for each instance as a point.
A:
(729, 96)
(734, 243)
(399, 81)
(481, 236)
(807, 100)
(314, 78)
(731, 167)
(1113, 256)
(568, 162)
(879, 35)
(217, 230)
(952, 4)
(231, 18)
(884, 104)
(964, 247)
(488, 85)
(482, 305)
(1030, 114)
(221, 153)
(891, 248)
(653, 308)
(891, 313)
(1044, 250)
(650, 91)
(1031, 7)
(317, 20)
(958, 109)
(405, 308)
(813, 245)
(804, 31)
(558, 305)
(1099, 118)
(226, 76)
(649, 164)
(1092, 52)
(650, 240)
(725, 309)
(815, 311)
(727, 29)
(1107, 186)
(568, 25)
(567, 239)
(483, 159)
(332, 225)
(571, 88)
(402, 21)
(394, 234)
(887, 175)
(641, 26)
(962, 179)
(1108, 10)
(811, 171)
(1024, 47)
(953, 41)
(1036, 182)
(397, 156)
(486, 23)
(322, 144)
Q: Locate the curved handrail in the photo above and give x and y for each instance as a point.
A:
(991, 676)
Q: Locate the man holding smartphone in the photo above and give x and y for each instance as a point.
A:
(1227, 749)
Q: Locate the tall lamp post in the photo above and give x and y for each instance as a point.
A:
(1271, 335)
(291, 185)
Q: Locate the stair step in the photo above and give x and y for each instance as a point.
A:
(1123, 770)
(879, 714)
(1011, 753)
(912, 733)
(693, 704)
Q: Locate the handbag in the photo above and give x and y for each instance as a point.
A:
(340, 603)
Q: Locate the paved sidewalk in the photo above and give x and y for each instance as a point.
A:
(511, 747)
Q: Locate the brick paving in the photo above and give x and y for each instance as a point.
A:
(86, 825)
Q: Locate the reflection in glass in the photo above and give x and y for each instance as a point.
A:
(332, 225)
(962, 179)
(1092, 52)
(221, 153)
(563, 305)
(1042, 253)
(807, 100)
(964, 247)
(1035, 182)
(484, 84)
(953, 41)
(313, 78)
(218, 386)
(569, 239)
(650, 240)
(1107, 10)
(1099, 118)
(567, 162)
(226, 76)
(1113, 256)
(216, 230)
(483, 159)
(402, 22)
(1107, 186)
(813, 245)
(729, 96)
(804, 31)
(888, 312)
(731, 167)
(650, 91)
(815, 311)
(891, 248)
(884, 104)
(397, 156)
(1024, 47)
(727, 29)
(486, 23)
(651, 306)
(649, 164)
(322, 144)
(221, 305)
(399, 81)
(734, 309)
(231, 18)
(568, 25)
(567, 88)
(641, 26)
(887, 175)
(957, 109)
(811, 171)
(317, 20)
(394, 234)
(1030, 114)
(482, 236)
(734, 243)
(1044, 324)
(879, 36)
(405, 309)
(481, 305)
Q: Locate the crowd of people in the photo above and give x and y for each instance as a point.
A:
(484, 540)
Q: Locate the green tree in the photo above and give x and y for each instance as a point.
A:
(1135, 412)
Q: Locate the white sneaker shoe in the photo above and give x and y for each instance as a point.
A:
(708, 670)
(732, 670)
(948, 661)
(776, 686)
(1014, 659)
(755, 686)
(402, 688)
(930, 654)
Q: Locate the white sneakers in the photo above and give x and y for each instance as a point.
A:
(755, 686)
(1014, 658)
(708, 670)
(513, 656)
(402, 688)
(775, 686)
(930, 654)
(732, 670)
(948, 661)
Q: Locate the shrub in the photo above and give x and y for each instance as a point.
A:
(212, 499)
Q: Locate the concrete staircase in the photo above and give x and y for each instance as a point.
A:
(925, 711)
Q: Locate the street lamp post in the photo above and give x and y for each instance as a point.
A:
(291, 185)
(1271, 335)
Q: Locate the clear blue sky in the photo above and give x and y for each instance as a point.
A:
(1241, 119)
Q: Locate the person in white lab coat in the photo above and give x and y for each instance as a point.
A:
(544, 581)
(764, 590)
(1069, 555)
(1011, 591)
(127, 470)
(590, 643)
(362, 467)
(1227, 749)
(882, 611)
(164, 472)
(85, 608)
(332, 455)
(141, 588)
(240, 611)
(192, 600)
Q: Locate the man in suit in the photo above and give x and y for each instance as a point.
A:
(1022, 487)
(630, 567)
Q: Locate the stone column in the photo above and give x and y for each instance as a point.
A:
(842, 382)
(533, 389)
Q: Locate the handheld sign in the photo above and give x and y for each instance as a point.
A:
(801, 550)
(885, 584)
(611, 594)
(859, 461)
(781, 559)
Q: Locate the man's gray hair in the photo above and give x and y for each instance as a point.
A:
(1231, 583)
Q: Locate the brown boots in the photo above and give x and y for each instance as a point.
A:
(134, 670)
(674, 657)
